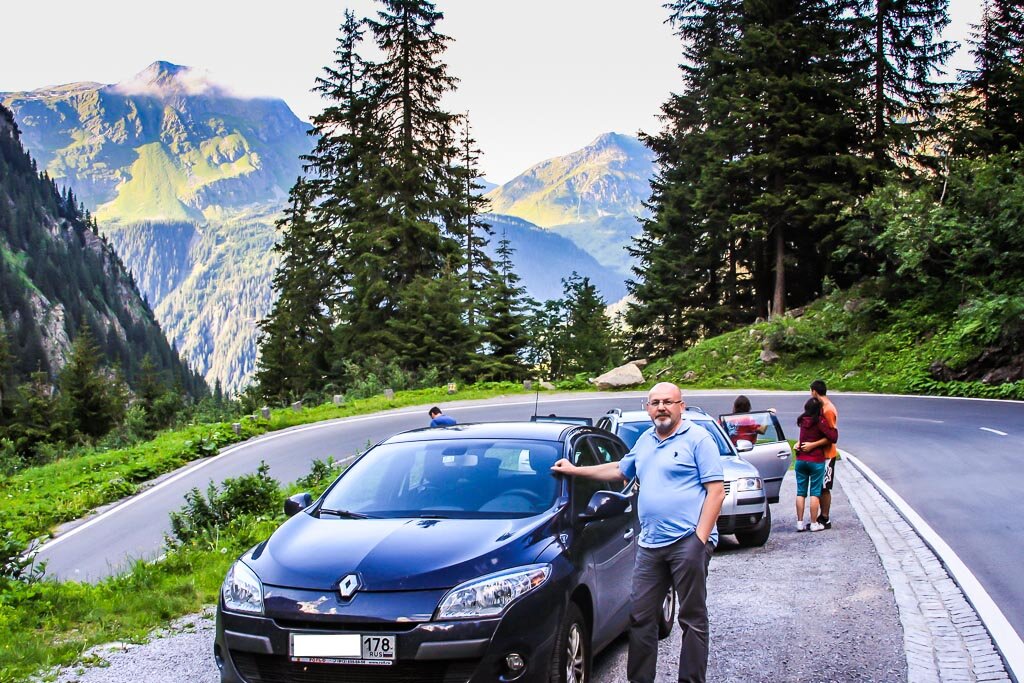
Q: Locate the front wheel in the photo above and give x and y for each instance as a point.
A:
(571, 660)
(757, 536)
(667, 615)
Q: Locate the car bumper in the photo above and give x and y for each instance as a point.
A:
(741, 510)
(255, 649)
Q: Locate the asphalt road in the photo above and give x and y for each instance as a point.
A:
(957, 462)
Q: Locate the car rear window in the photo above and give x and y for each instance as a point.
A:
(450, 478)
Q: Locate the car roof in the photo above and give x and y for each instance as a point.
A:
(544, 431)
(692, 412)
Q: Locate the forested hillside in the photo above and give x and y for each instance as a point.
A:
(807, 152)
(62, 285)
(186, 180)
(812, 146)
(594, 196)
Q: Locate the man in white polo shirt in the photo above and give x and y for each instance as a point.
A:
(681, 493)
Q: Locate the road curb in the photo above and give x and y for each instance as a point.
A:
(953, 630)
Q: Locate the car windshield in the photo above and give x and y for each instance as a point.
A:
(450, 478)
(631, 431)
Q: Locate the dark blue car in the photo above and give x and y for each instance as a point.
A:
(442, 555)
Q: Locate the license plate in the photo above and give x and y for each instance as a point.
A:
(342, 648)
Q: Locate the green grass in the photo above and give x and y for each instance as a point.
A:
(855, 341)
(48, 624)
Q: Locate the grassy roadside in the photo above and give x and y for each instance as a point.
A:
(855, 340)
(49, 624)
(35, 500)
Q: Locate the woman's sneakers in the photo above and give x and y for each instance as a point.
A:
(817, 526)
(824, 521)
(801, 525)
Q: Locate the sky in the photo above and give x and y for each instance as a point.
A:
(539, 78)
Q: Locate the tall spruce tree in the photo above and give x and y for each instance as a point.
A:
(757, 159)
(690, 245)
(900, 58)
(991, 102)
(797, 101)
(503, 338)
(93, 403)
(296, 336)
(414, 236)
(476, 232)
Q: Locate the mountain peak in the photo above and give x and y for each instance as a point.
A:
(613, 139)
(164, 79)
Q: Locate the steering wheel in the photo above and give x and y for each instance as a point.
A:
(532, 496)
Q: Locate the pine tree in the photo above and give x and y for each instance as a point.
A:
(991, 103)
(899, 56)
(573, 335)
(36, 419)
(756, 162)
(295, 341)
(379, 220)
(92, 403)
(503, 338)
(475, 232)
(689, 245)
(409, 240)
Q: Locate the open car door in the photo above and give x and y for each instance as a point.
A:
(771, 454)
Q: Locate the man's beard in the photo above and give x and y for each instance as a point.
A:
(662, 423)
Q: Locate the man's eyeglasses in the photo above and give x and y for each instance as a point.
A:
(659, 402)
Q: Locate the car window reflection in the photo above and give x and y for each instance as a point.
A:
(458, 478)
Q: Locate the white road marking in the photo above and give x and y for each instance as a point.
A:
(1003, 634)
(994, 431)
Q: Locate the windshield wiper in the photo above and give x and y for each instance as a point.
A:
(427, 515)
(343, 513)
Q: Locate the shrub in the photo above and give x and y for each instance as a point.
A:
(251, 494)
(17, 561)
(321, 473)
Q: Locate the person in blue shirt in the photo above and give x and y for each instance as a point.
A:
(681, 491)
(439, 419)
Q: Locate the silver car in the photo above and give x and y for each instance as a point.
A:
(745, 511)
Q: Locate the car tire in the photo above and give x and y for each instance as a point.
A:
(667, 616)
(758, 535)
(570, 662)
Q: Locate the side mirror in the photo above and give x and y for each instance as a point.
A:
(744, 446)
(605, 504)
(297, 503)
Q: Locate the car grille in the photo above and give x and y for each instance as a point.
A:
(256, 668)
(728, 487)
(324, 624)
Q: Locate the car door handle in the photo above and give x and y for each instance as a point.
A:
(628, 535)
(784, 454)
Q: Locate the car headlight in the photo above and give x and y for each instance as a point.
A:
(489, 595)
(748, 484)
(242, 590)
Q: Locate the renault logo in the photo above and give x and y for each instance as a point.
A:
(348, 586)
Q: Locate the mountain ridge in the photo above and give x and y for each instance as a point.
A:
(594, 196)
(58, 274)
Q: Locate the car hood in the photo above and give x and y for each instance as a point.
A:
(396, 554)
(734, 468)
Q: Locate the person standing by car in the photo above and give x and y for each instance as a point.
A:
(681, 493)
(439, 419)
(819, 391)
(740, 426)
(815, 435)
